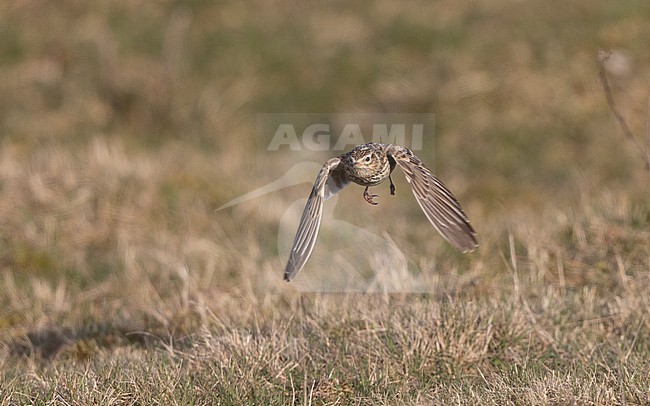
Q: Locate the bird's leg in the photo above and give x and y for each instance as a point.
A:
(392, 186)
(369, 197)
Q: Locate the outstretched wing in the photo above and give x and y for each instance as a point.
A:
(330, 180)
(439, 205)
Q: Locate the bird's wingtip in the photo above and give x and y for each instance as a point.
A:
(289, 273)
(467, 246)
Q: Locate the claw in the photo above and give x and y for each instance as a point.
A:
(369, 197)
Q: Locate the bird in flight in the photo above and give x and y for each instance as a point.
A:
(369, 165)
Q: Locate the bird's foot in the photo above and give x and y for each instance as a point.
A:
(392, 186)
(369, 197)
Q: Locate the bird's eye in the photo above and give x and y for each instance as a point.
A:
(367, 158)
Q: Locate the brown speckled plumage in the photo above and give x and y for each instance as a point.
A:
(369, 165)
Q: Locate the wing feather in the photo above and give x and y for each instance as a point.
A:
(436, 201)
(336, 181)
(330, 180)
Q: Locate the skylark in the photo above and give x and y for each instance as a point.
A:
(369, 165)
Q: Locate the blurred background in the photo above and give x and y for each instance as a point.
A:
(124, 125)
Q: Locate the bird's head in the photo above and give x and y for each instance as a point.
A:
(364, 160)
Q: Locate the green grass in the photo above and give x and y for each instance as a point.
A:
(123, 129)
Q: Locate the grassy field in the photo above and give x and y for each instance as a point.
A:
(125, 125)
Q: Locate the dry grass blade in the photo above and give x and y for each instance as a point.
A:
(645, 153)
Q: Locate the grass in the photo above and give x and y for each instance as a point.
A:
(124, 128)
